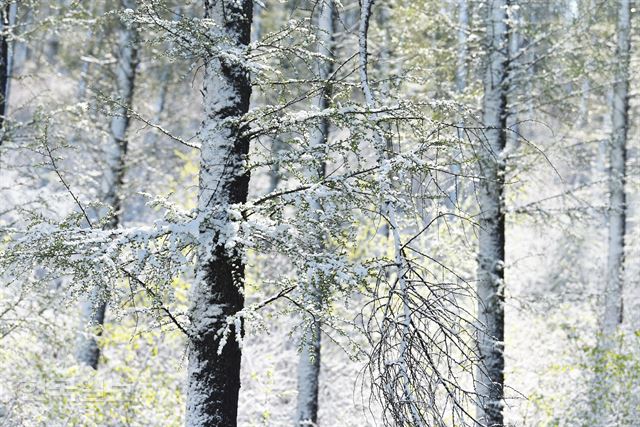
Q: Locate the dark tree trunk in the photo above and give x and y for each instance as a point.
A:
(217, 294)
(7, 20)
(491, 253)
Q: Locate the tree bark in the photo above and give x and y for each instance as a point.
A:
(93, 309)
(461, 84)
(7, 20)
(617, 175)
(461, 65)
(309, 362)
(491, 254)
(218, 292)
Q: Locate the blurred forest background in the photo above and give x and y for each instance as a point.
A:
(441, 225)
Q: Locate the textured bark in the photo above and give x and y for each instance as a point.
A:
(617, 175)
(490, 273)
(7, 20)
(218, 292)
(93, 309)
(309, 362)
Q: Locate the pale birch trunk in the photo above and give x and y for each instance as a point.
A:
(617, 176)
(491, 253)
(94, 307)
(309, 362)
(217, 294)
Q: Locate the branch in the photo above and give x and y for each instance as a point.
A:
(57, 171)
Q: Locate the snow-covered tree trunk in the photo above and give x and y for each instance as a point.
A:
(491, 253)
(617, 175)
(7, 21)
(94, 307)
(217, 294)
(309, 362)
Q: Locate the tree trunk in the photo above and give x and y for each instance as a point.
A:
(93, 309)
(256, 32)
(461, 84)
(7, 21)
(86, 65)
(490, 374)
(218, 292)
(617, 176)
(407, 409)
(513, 125)
(384, 22)
(285, 11)
(309, 363)
(463, 27)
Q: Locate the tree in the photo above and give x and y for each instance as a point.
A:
(7, 20)
(491, 233)
(461, 84)
(352, 245)
(217, 293)
(309, 362)
(618, 175)
(94, 308)
(463, 28)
